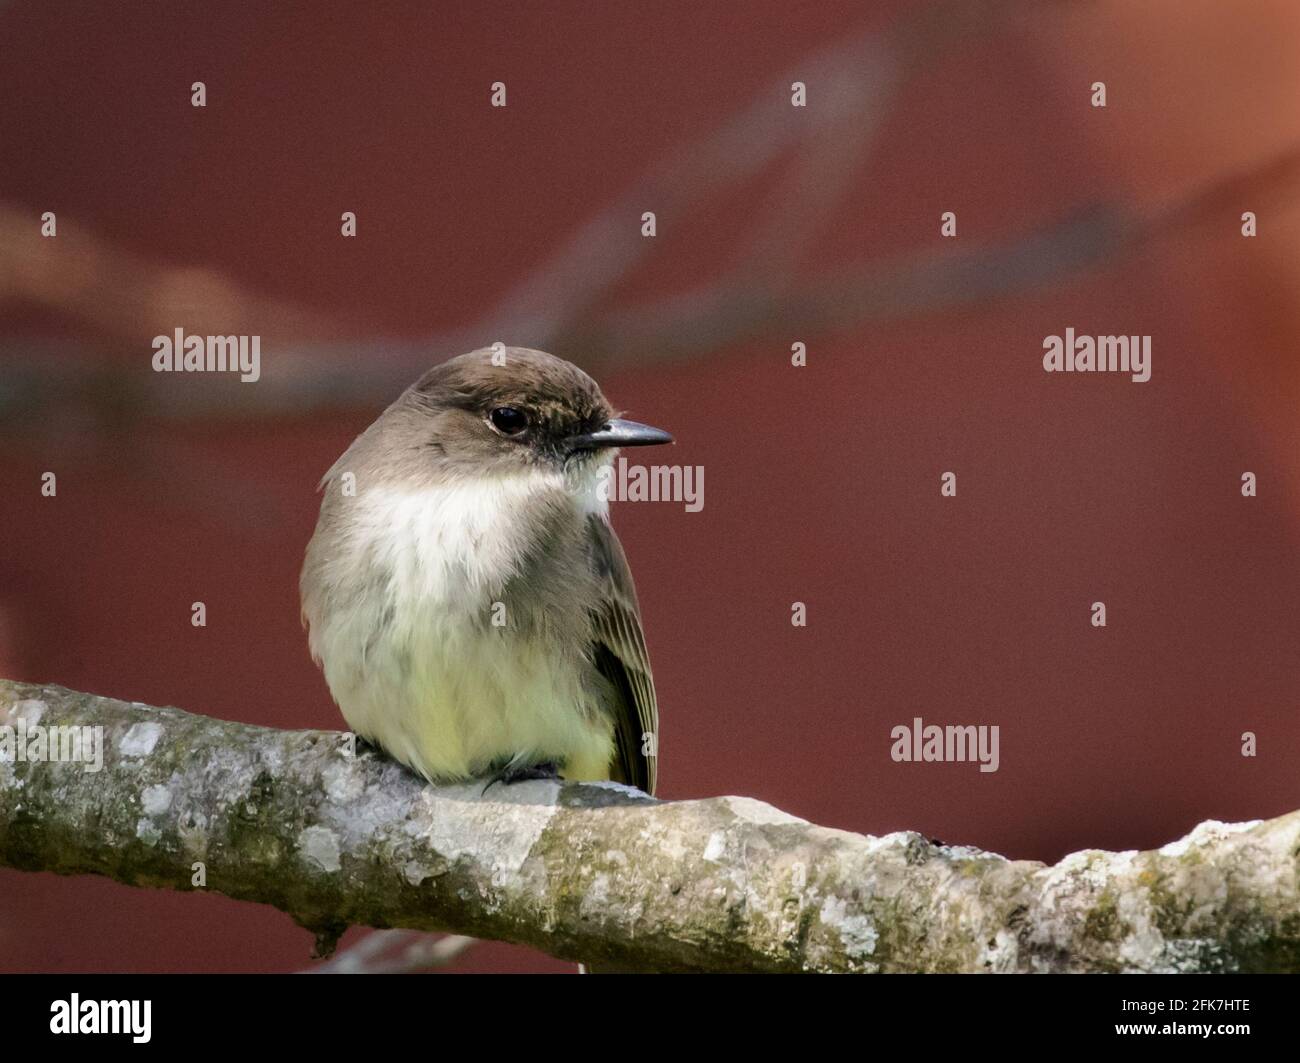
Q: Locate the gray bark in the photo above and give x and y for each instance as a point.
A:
(604, 874)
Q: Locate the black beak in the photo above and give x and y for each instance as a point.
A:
(620, 433)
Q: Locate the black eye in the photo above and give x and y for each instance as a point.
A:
(508, 420)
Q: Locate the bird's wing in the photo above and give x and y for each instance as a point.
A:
(618, 651)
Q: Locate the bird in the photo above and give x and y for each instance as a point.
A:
(464, 592)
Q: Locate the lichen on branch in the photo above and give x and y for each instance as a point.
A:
(602, 873)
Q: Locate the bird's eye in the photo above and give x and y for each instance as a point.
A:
(508, 420)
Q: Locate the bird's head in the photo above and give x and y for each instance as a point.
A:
(509, 408)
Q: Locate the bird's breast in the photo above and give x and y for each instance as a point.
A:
(455, 640)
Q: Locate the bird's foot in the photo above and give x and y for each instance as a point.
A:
(513, 773)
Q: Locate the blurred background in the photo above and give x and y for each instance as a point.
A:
(776, 225)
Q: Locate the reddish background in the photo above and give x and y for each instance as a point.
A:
(821, 483)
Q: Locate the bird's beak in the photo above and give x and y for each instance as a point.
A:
(620, 433)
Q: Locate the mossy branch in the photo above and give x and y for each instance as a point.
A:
(603, 874)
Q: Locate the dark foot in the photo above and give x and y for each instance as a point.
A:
(513, 773)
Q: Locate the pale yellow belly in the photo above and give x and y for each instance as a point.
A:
(452, 711)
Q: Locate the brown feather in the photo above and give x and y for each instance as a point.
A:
(619, 652)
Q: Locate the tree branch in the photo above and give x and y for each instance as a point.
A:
(602, 873)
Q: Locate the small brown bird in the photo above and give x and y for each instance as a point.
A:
(466, 597)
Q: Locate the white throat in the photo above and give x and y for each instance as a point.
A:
(453, 545)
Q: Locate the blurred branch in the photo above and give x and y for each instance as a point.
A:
(930, 282)
(567, 303)
(124, 296)
(603, 873)
(300, 379)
